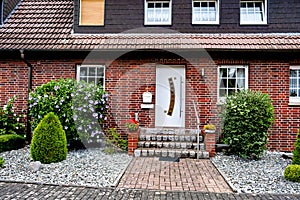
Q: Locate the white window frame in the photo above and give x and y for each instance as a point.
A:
(147, 22)
(294, 100)
(222, 99)
(264, 12)
(194, 21)
(78, 76)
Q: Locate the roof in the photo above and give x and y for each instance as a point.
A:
(48, 25)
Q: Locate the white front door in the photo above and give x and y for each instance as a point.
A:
(170, 96)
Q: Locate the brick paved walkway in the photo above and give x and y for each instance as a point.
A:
(22, 191)
(185, 175)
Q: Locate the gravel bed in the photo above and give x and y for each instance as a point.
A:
(261, 176)
(91, 168)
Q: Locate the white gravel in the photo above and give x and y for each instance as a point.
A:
(261, 176)
(91, 168)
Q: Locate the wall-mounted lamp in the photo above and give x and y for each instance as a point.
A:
(202, 72)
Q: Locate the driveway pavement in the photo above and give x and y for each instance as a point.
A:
(22, 191)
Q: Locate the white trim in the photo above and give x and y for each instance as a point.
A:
(264, 12)
(217, 3)
(169, 22)
(294, 100)
(221, 100)
(88, 66)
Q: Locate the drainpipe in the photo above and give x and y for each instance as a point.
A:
(28, 125)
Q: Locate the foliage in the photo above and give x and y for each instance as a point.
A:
(115, 138)
(132, 125)
(10, 122)
(1, 162)
(296, 152)
(89, 109)
(246, 119)
(11, 142)
(49, 143)
(78, 106)
(292, 173)
(209, 127)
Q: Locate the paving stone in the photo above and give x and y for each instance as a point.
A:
(157, 152)
(148, 137)
(171, 153)
(158, 137)
(147, 144)
(159, 144)
(164, 153)
(141, 144)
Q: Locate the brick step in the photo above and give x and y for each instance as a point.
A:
(169, 145)
(164, 152)
(170, 137)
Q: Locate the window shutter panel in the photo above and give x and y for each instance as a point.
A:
(92, 12)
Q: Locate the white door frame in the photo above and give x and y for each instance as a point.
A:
(170, 96)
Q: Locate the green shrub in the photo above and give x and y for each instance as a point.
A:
(49, 143)
(292, 173)
(79, 106)
(11, 142)
(246, 119)
(10, 122)
(115, 138)
(1, 162)
(296, 152)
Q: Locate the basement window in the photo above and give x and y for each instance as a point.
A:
(91, 74)
(294, 85)
(253, 12)
(91, 13)
(205, 12)
(158, 12)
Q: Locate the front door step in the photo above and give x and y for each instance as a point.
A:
(181, 143)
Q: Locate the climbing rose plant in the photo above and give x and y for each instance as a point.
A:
(80, 107)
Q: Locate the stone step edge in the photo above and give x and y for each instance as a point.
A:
(182, 153)
(175, 145)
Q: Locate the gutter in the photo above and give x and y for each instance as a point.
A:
(28, 125)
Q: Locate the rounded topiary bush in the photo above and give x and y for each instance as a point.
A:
(296, 152)
(246, 119)
(292, 173)
(49, 143)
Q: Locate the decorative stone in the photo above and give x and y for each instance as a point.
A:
(137, 153)
(35, 166)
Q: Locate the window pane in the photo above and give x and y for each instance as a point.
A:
(293, 73)
(100, 72)
(83, 71)
(92, 71)
(196, 4)
(293, 93)
(91, 80)
(83, 79)
(223, 83)
(223, 72)
(231, 83)
(231, 92)
(222, 93)
(150, 5)
(100, 81)
(232, 73)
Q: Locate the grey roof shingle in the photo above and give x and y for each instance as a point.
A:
(48, 25)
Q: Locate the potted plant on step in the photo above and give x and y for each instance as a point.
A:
(132, 125)
(209, 128)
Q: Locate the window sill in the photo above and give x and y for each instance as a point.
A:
(294, 104)
(253, 23)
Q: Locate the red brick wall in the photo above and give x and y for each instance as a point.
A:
(134, 73)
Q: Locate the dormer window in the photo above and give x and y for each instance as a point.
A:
(91, 12)
(253, 12)
(205, 12)
(158, 12)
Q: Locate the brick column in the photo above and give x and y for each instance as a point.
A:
(210, 142)
(133, 138)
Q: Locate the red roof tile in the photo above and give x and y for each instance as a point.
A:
(47, 24)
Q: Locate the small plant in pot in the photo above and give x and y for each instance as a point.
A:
(209, 128)
(132, 125)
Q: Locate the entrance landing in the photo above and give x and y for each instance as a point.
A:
(185, 175)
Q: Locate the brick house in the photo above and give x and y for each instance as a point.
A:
(181, 51)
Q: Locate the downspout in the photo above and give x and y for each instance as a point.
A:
(28, 125)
